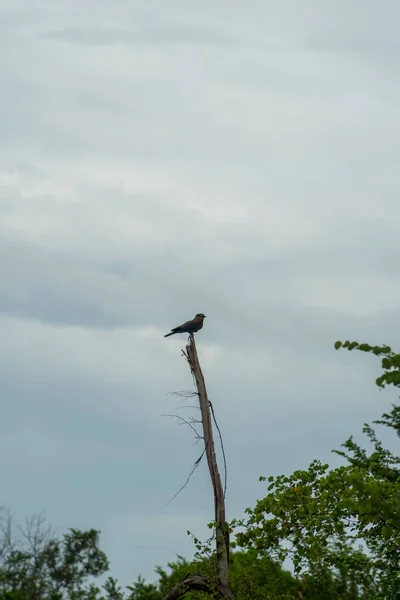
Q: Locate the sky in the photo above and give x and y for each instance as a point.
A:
(159, 159)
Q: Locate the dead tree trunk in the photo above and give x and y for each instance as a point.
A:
(199, 582)
(222, 538)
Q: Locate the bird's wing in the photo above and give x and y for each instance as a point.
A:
(183, 326)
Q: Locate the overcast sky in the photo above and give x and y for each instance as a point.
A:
(159, 159)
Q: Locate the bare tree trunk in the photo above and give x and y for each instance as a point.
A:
(198, 582)
(222, 537)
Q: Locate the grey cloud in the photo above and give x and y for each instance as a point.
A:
(377, 50)
(106, 289)
(235, 161)
(172, 33)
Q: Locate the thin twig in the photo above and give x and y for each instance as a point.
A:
(187, 422)
(196, 464)
(222, 446)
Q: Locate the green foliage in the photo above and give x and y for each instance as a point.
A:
(144, 591)
(250, 576)
(341, 525)
(40, 567)
(258, 577)
(254, 575)
(318, 518)
(390, 361)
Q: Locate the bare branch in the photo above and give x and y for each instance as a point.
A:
(198, 583)
(196, 464)
(189, 422)
(184, 394)
(7, 543)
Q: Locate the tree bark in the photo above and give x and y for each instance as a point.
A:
(200, 584)
(222, 537)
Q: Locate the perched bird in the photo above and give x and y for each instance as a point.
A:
(190, 326)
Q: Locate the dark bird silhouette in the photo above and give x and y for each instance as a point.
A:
(190, 326)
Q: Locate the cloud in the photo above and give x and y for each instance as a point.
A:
(163, 34)
(161, 161)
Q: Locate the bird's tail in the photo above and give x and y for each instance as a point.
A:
(172, 333)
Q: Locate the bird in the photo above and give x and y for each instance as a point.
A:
(190, 326)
